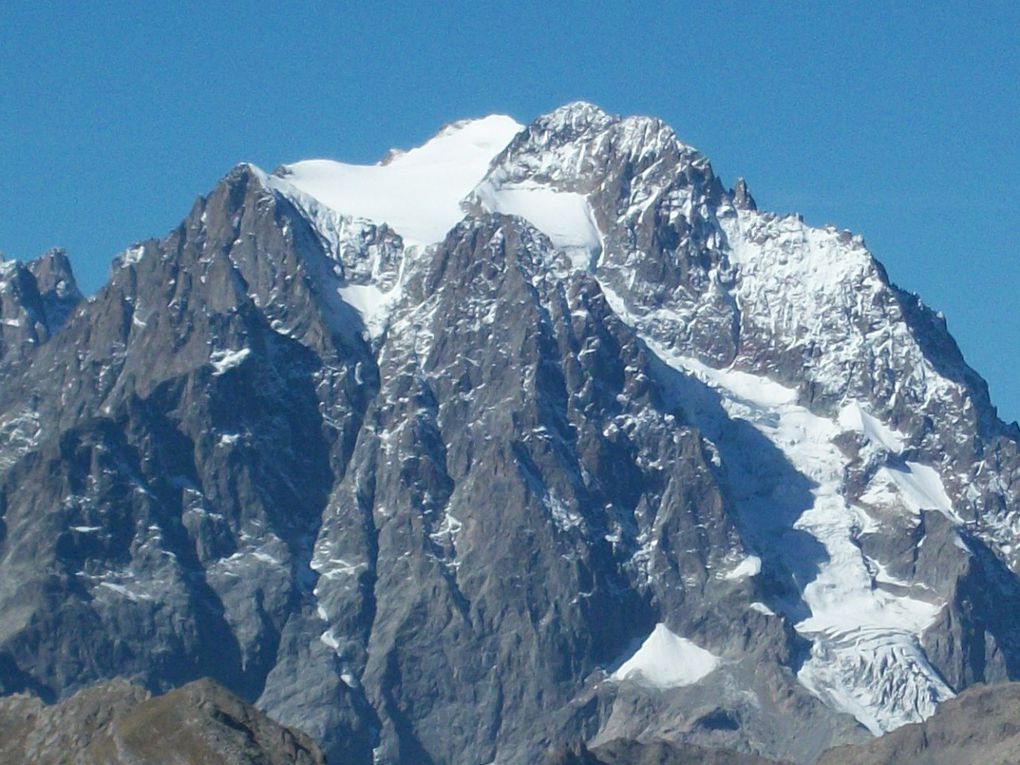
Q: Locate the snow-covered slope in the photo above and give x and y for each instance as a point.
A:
(866, 657)
(416, 193)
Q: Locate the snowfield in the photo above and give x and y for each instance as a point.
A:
(417, 193)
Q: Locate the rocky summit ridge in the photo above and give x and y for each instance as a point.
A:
(532, 434)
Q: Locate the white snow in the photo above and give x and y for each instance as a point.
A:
(804, 287)
(224, 360)
(854, 417)
(666, 660)
(563, 516)
(125, 592)
(921, 487)
(449, 529)
(334, 568)
(741, 386)
(565, 217)
(132, 255)
(417, 193)
(371, 303)
(749, 566)
(330, 640)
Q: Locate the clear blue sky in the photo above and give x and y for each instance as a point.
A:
(897, 120)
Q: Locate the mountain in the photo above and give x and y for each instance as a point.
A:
(117, 723)
(530, 435)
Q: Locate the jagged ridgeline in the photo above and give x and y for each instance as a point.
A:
(528, 436)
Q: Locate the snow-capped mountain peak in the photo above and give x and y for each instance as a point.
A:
(537, 426)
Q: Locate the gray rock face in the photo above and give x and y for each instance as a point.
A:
(680, 470)
(35, 300)
(117, 723)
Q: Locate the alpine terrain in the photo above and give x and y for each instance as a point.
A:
(531, 437)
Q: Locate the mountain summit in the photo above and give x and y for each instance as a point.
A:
(530, 435)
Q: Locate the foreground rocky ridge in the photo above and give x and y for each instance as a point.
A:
(117, 723)
(425, 499)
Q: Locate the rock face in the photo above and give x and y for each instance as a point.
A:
(611, 455)
(117, 723)
(35, 300)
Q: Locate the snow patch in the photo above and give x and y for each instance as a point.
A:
(742, 386)
(921, 488)
(372, 304)
(132, 255)
(565, 217)
(749, 566)
(853, 417)
(666, 660)
(225, 360)
(329, 639)
(562, 515)
(417, 193)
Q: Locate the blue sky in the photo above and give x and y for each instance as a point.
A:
(900, 123)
